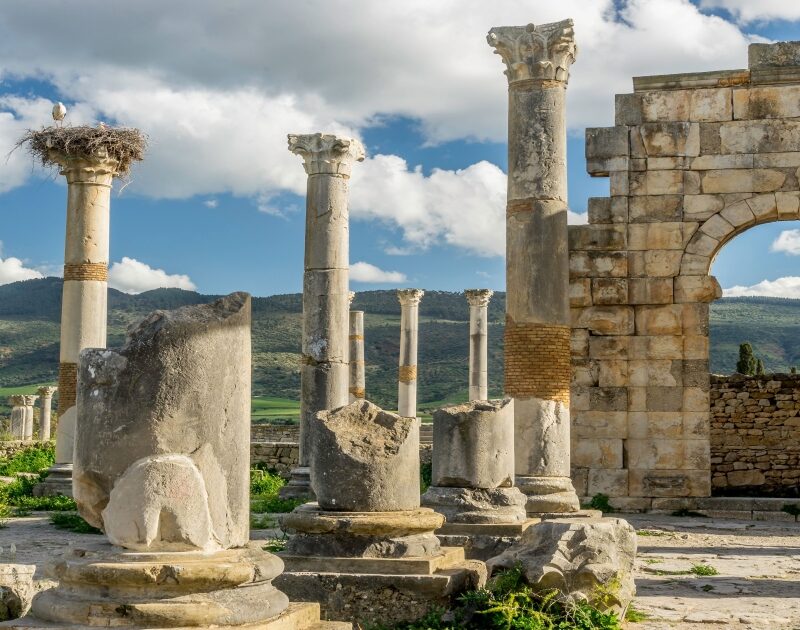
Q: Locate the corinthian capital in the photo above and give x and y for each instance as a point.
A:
(478, 297)
(410, 297)
(542, 53)
(326, 153)
(47, 391)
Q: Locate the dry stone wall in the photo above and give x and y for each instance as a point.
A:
(755, 434)
(693, 160)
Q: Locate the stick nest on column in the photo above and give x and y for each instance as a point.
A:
(125, 145)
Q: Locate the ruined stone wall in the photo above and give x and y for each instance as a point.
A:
(693, 160)
(755, 433)
(274, 433)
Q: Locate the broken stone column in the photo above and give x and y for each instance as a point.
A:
(407, 373)
(537, 334)
(368, 532)
(473, 477)
(478, 300)
(357, 366)
(162, 467)
(45, 405)
(30, 401)
(324, 376)
(18, 414)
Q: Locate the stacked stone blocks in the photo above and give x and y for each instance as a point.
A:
(693, 160)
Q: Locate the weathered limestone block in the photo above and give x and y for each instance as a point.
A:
(608, 210)
(788, 204)
(767, 102)
(580, 292)
(606, 320)
(606, 150)
(163, 442)
(651, 236)
(668, 483)
(585, 560)
(662, 263)
(659, 320)
(650, 291)
(597, 237)
(670, 139)
(597, 453)
(606, 291)
(16, 590)
(697, 289)
(759, 136)
(474, 445)
(365, 459)
(598, 423)
(613, 483)
(598, 264)
(477, 505)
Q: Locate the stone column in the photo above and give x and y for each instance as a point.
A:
(17, 427)
(45, 403)
(30, 401)
(357, 376)
(478, 342)
(324, 379)
(537, 336)
(407, 374)
(84, 302)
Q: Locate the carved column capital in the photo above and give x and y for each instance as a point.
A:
(17, 400)
(30, 400)
(47, 391)
(325, 153)
(410, 297)
(535, 53)
(478, 297)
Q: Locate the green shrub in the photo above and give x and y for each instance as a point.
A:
(33, 459)
(704, 570)
(51, 504)
(274, 505)
(425, 476)
(600, 502)
(264, 490)
(791, 508)
(265, 482)
(73, 522)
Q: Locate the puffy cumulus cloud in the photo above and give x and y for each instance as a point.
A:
(788, 242)
(13, 269)
(365, 272)
(132, 276)
(788, 287)
(752, 10)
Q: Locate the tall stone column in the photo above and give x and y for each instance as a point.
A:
(537, 336)
(85, 294)
(407, 374)
(30, 401)
(45, 404)
(324, 378)
(357, 373)
(17, 427)
(478, 300)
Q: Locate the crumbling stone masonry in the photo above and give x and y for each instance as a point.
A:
(755, 433)
(693, 160)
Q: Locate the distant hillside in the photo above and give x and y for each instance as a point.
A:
(30, 312)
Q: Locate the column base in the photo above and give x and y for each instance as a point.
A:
(476, 505)
(482, 541)
(299, 485)
(548, 495)
(104, 585)
(57, 482)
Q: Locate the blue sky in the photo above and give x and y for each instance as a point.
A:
(218, 202)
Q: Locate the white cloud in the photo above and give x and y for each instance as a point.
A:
(12, 270)
(788, 286)
(788, 242)
(365, 272)
(132, 276)
(753, 10)
(211, 203)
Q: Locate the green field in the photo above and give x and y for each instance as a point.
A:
(268, 409)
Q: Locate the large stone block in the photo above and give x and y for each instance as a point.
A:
(759, 136)
(613, 483)
(701, 207)
(607, 291)
(606, 320)
(600, 424)
(580, 292)
(659, 263)
(650, 290)
(597, 453)
(656, 183)
(162, 449)
(605, 142)
(670, 139)
(655, 425)
(767, 102)
(584, 560)
(364, 459)
(473, 445)
(662, 454)
(666, 105)
(655, 347)
(662, 373)
(697, 289)
(628, 109)
(597, 237)
(669, 483)
(608, 347)
(608, 210)
(710, 105)
(654, 208)
(653, 236)
(659, 320)
(742, 180)
(16, 590)
(598, 264)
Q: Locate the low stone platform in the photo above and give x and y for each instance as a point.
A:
(385, 590)
(481, 541)
(742, 508)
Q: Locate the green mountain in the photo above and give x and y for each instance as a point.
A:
(30, 313)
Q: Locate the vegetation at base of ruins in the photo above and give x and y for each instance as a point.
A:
(634, 615)
(264, 488)
(5, 513)
(121, 144)
(73, 522)
(425, 476)
(600, 502)
(262, 521)
(276, 544)
(33, 459)
(703, 570)
(56, 503)
(707, 588)
(507, 602)
(791, 508)
(29, 336)
(651, 532)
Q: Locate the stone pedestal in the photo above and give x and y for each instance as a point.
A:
(324, 377)
(537, 333)
(161, 466)
(478, 300)
(407, 373)
(45, 405)
(368, 534)
(473, 475)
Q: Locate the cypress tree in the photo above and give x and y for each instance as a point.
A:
(747, 361)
